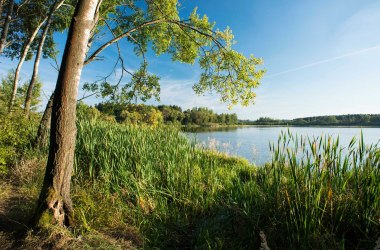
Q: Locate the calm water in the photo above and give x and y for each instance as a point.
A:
(253, 142)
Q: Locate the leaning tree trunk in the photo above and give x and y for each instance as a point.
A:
(21, 62)
(43, 133)
(7, 21)
(54, 205)
(29, 93)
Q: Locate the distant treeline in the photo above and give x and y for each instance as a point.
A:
(330, 120)
(140, 113)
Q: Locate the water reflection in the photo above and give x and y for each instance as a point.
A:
(253, 142)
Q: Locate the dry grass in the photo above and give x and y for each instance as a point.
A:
(59, 238)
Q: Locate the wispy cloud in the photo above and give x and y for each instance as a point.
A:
(324, 61)
(180, 92)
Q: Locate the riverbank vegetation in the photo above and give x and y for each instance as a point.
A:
(165, 114)
(139, 186)
(363, 120)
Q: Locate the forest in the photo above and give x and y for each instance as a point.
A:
(123, 176)
(370, 120)
(165, 114)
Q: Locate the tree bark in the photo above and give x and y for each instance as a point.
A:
(43, 133)
(7, 21)
(54, 205)
(29, 93)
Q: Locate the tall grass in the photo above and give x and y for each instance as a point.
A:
(168, 182)
(313, 193)
(324, 188)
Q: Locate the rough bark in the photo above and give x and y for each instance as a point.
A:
(7, 21)
(42, 139)
(29, 93)
(54, 205)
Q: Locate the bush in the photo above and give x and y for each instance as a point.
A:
(16, 134)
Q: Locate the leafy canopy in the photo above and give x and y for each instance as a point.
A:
(159, 25)
(26, 19)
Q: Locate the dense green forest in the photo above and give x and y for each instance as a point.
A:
(202, 116)
(167, 114)
(329, 120)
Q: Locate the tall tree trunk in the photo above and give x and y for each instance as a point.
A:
(43, 133)
(29, 93)
(24, 54)
(54, 205)
(7, 21)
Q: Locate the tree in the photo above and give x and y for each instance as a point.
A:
(226, 72)
(171, 114)
(57, 25)
(7, 21)
(6, 90)
(54, 205)
(30, 27)
(42, 138)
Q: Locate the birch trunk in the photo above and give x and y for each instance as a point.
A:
(29, 93)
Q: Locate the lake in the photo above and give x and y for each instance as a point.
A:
(252, 142)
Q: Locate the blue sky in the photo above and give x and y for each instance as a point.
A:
(322, 57)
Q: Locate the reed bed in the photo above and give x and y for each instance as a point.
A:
(314, 193)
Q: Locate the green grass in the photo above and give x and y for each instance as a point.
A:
(150, 187)
(154, 183)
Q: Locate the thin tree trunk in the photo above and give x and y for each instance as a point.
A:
(54, 205)
(29, 93)
(21, 62)
(2, 2)
(7, 21)
(44, 128)
(23, 57)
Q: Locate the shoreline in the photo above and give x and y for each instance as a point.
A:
(221, 127)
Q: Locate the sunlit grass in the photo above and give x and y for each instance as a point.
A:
(313, 193)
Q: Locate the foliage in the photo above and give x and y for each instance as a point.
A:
(16, 134)
(137, 114)
(171, 114)
(26, 20)
(6, 90)
(141, 113)
(132, 113)
(186, 39)
(332, 120)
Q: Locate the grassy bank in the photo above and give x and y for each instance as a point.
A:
(311, 195)
(153, 188)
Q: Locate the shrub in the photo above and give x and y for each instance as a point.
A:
(16, 134)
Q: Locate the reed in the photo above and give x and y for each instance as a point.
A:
(314, 193)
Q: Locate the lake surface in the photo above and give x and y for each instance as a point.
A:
(252, 143)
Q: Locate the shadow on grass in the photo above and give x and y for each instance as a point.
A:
(15, 212)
